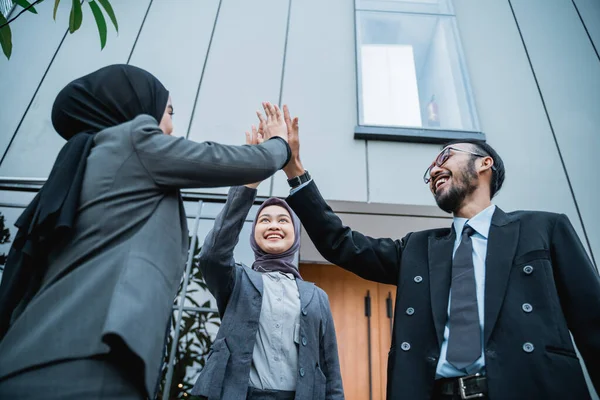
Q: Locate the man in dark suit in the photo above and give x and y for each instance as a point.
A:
(483, 308)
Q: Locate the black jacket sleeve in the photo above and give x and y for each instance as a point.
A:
(578, 286)
(373, 259)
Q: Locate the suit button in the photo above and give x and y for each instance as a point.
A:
(528, 347)
(410, 311)
(405, 346)
(303, 341)
(527, 307)
(432, 360)
(301, 371)
(528, 269)
(418, 279)
(304, 312)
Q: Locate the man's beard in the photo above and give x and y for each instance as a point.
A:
(462, 186)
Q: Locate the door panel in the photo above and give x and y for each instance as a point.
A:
(385, 332)
(347, 293)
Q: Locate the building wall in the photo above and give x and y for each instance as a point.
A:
(535, 87)
(533, 66)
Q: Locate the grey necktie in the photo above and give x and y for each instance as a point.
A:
(464, 342)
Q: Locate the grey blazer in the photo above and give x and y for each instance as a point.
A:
(113, 282)
(238, 291)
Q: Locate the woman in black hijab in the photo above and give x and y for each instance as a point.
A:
(90, 279)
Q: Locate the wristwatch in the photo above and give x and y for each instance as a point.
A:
(299, 180)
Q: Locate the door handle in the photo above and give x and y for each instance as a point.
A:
(389, 307)
(368, 315)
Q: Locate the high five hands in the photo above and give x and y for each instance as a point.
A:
(277, 124)
(274, 124)
(294, 167)
(256, 136)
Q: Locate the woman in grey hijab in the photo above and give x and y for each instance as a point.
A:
(277, 338)
(90, 280)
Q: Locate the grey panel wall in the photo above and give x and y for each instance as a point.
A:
(396, 172)
(21, 75)
(568, 72)
(510, 110)
(511, 115)
(249, 58)
(320, 87)
(590, 15)
(172, 45)
(36, 145)
(244, 68)
(245, 60)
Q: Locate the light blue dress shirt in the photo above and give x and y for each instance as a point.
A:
(275, 355)
(294, 190)
(481, 223)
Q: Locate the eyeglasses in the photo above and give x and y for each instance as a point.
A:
(441, 159)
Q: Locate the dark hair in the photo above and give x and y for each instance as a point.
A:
(498, 168)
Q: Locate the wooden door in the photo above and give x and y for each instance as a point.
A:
(347, 294)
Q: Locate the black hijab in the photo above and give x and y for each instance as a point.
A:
(108, 97)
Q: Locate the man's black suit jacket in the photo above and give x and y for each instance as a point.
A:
(532, 257)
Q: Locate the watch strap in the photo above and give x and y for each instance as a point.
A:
(299, 180)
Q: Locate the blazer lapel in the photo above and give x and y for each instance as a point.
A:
(307, 291)
(501, 247)
(255, 278)
(440, 274)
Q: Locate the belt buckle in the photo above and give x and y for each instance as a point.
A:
(462, 387)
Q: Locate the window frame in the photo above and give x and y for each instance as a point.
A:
(411, 133)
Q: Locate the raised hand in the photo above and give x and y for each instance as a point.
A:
(294, 167)
(256, 137)
(252, 138)
(274, 124)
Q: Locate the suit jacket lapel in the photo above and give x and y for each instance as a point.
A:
(440, 275)
(255, 278)
(306, 290)
(501, 247)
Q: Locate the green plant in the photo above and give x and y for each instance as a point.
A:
(194, 340)
(75, 19)
(4, 238)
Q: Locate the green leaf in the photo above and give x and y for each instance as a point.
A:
(109, 10)
(5, 37)
(191, 300)
(25, 4)
(100, 21)
(76, 16)
(55, 8)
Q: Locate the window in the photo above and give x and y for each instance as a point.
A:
(412, 81)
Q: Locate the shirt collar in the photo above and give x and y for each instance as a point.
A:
(480, 222)
(277, 275)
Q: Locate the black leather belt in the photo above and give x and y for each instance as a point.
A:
(464, 387)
